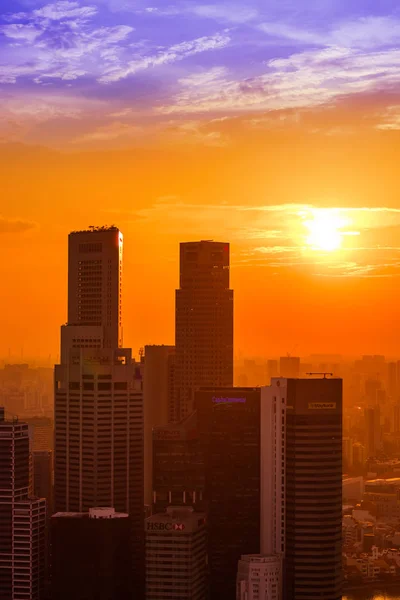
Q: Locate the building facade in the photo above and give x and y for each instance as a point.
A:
(95, 287)
(301, 470)
(178, 466)
(176, 555)
(158, 402)
(229, 431)
(91, 555)
(98, 454)
(259, 578)
(203, 322)
(22, 518)
(289, 366)
(43, 477)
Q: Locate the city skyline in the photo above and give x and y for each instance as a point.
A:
(273, 127)
(200, 277)
(344, 319)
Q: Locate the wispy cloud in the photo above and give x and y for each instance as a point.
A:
(174, 53)
(15, 225)
(278, 235)
(362, 33)
(65, 10)
(59, 41)
(111, 131)
(305, 79)
(225, 12)
(203, 60)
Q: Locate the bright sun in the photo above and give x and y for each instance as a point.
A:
(325, 231)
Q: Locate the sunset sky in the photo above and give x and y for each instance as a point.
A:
(271, 124)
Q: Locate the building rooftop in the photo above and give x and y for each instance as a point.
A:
(93, 513)
(96, 229)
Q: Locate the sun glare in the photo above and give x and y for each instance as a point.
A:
(325, 231)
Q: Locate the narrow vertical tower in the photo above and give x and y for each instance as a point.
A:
(98, 391)
(203, 322)
(22, 518)
(301, 470)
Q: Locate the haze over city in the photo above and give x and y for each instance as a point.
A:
(200, 281)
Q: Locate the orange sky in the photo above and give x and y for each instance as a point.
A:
(256, 193)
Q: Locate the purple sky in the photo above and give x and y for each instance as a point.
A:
(77, 74)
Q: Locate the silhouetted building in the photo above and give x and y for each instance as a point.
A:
(22, 519)
(301, 470)
(176, 555)
(393, 383)
(272, 369)
(42, 433)
(203, 322)
(43, 477)
(359, 455)
(259, 577)
(98, 452)
(94, 289)
(178, 466)
(229, 431)
(289, 366)
(158, 401)
(91, 556)
(373, 432)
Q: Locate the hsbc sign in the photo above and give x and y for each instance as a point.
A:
(165, 526)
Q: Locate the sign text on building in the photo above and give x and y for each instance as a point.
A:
(165, 526)
(228, 400)
(321, 405)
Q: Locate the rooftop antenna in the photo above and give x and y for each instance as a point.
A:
(326, 375)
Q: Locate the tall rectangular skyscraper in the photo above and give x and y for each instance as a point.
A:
(98, 454)
(95, 286)
(229, 433)
(203, 322)
(301, 472)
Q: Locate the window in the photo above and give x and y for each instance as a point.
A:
(120, 385)
(104, 386)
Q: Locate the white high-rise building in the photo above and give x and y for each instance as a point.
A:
(259, 577)
(273, 475)
(301, 484)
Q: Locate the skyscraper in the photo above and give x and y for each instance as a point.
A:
(373, 430)
(158, 399)
(203, 322)
(229, 432)
(301, 471)
(95, 288)
(176, 555)
(22, 519)
(43, 477)
(90, 555)
(178, 466)
(98, 451)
